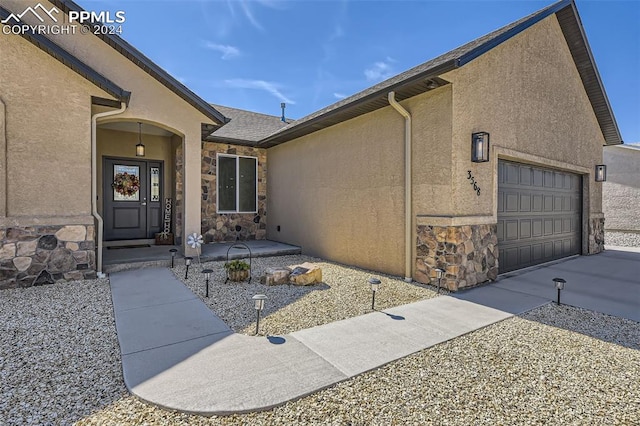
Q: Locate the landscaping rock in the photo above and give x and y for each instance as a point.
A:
(305, 274)
(276, 276)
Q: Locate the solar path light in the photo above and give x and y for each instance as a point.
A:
(173, 256)
(439, 275)
(559, 283)
(375, 284)
(207, 275)
(187, 262)
(258, 303)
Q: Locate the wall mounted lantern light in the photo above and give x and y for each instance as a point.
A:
(601, 173)
(480, 147)
(140, 146)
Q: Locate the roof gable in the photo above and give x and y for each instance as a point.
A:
(147, 65)
(72, 62)
(424, 77)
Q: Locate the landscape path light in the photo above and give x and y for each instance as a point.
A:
(207, 275)
(439, 275)
(187, 262)
(173, 255)
(559, 283)
(258, 303)
(375, 284)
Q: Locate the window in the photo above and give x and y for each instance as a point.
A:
(237, 184)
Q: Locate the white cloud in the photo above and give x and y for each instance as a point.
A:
(227, 51)
(380, 70)
(269, 87)
(339, 95)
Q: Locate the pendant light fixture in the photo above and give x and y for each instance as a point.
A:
(140, 146)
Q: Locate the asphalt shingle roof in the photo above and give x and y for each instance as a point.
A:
(246, 126)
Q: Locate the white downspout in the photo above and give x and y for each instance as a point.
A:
(94, 183)
(407, 185)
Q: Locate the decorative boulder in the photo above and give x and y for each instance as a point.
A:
(305, 274)
(276, 276)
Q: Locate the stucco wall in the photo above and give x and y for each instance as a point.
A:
(48, 133)
(151, 102)
(339, 192)
(528, 95)
(621, 195)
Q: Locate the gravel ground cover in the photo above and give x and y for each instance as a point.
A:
(59, 354)
(622, 239)
(59, 364)
(344, 293)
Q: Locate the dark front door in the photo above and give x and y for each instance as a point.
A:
(132, 198)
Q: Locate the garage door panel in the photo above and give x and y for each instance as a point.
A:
(511, 202)
(539, 215)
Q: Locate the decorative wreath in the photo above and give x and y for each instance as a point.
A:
(126, 184)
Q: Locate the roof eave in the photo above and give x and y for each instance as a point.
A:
(576, 39)
(146, 64)
(315, 124)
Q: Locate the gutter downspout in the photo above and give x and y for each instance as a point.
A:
(94, 183)
(407, 185)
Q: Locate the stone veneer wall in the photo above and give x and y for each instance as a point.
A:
(222, 227)
(38, 255)
(468, 254)
(596, 235)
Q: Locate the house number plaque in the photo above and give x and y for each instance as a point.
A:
(472, 181)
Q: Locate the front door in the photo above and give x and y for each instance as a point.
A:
(132, 198)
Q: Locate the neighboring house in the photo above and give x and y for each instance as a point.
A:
(383, 179)
(621, 195)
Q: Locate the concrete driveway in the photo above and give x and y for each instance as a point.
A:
(608, 282)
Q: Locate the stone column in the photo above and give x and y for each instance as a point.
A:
(468, 254)
(596, 234)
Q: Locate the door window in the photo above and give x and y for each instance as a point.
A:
(126, 183)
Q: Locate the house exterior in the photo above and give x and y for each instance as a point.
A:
(383, 179)
(621, 195)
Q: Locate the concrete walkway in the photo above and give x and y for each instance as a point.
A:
(123, 258)
(177, 354)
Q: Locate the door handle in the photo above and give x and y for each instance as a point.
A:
(143, 203)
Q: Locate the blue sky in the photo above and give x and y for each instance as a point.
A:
(256, 54)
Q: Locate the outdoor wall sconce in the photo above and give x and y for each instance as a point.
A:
(173, 256)
(258, 303)
(207, 275)
(480, 147)
(601, 173)
(375, 284)
(559, 283)
(439, 275)
(187, 262)
(139, 146)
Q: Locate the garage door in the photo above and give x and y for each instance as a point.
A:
(539, 215)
